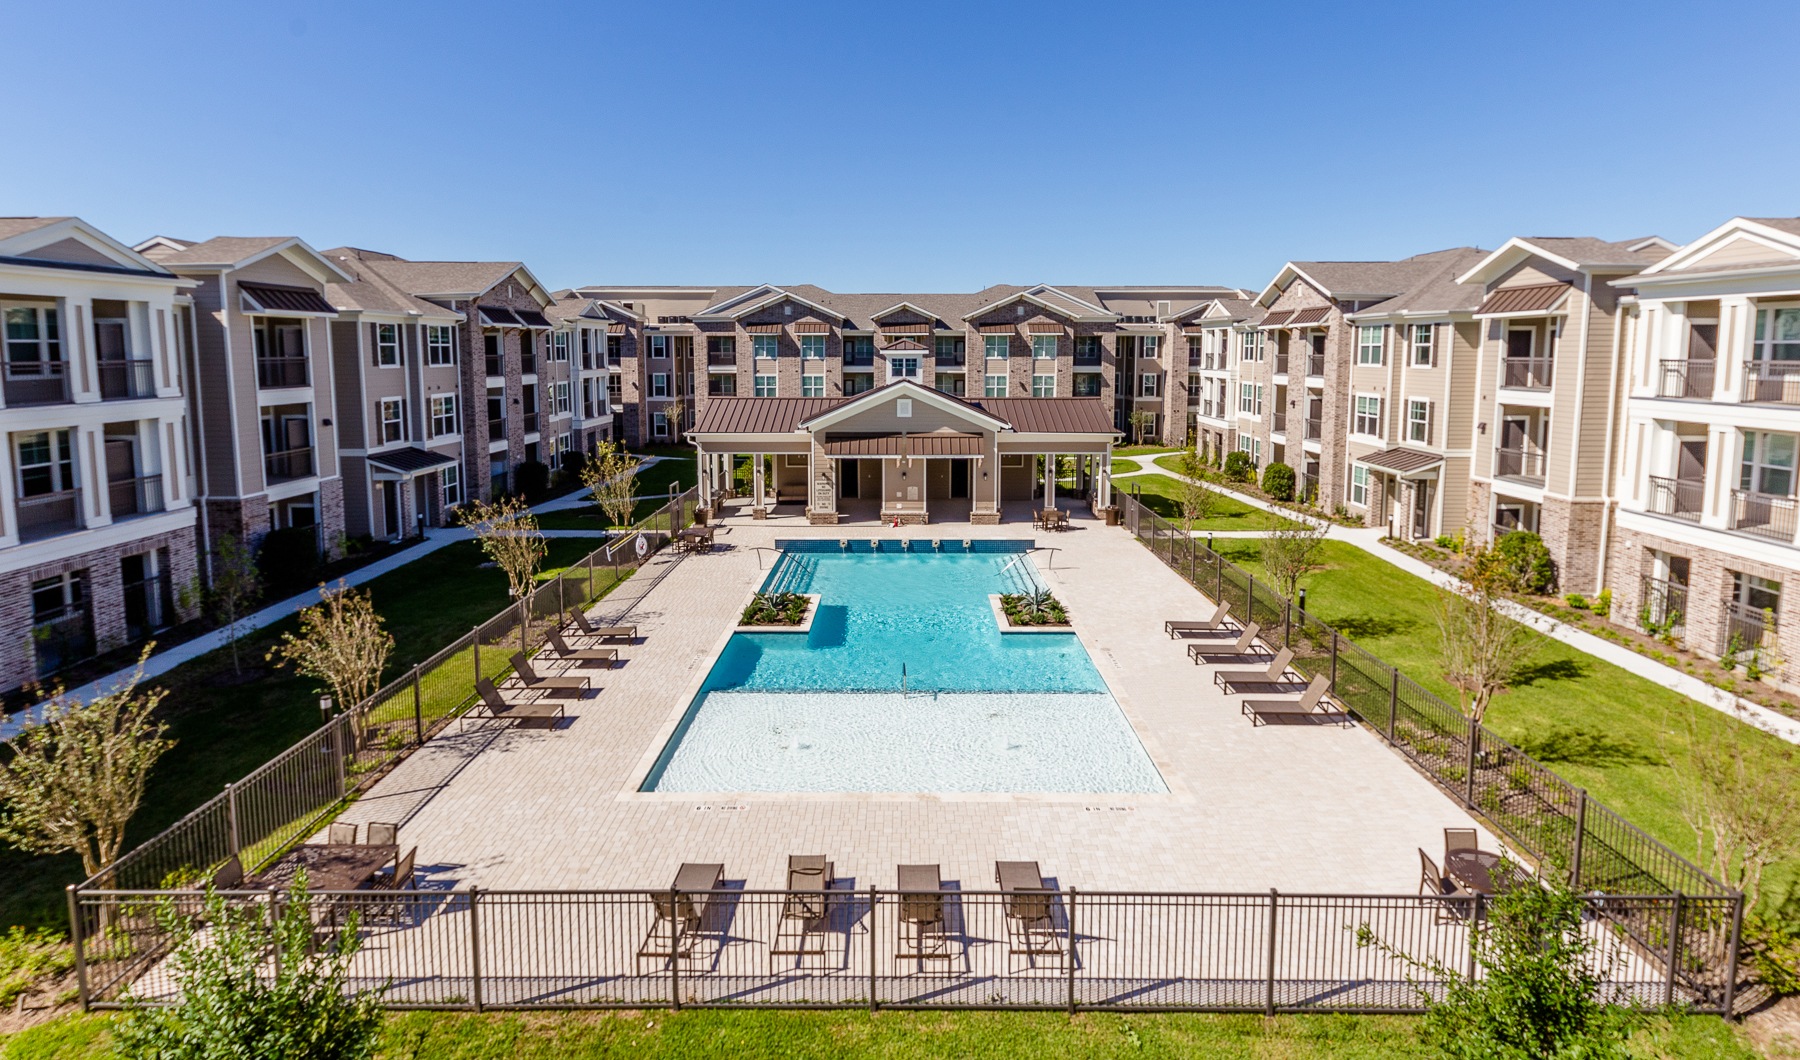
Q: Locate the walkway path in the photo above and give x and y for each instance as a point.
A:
(1369, 539)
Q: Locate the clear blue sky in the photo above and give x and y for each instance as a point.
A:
(908, 146)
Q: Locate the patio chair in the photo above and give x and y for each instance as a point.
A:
(1304, 706)
(587, 629)
(229, 876)
(526, 676)
(1228, 680)
(564, 653)
(1030, 928)
(1244, 645)
(341, 832)
(1456, 839)
(923, 935)
(495, 706)
(390, 907)
(805, 911)
(1199, 627)
(1438, 886)
(679, 922)
(398, 880)
(383, 835)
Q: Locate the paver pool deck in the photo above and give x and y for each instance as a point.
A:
(1316, 809)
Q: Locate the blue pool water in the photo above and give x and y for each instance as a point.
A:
(981, 711)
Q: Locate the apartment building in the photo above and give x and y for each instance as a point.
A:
(1705, 545)
(677, 347)
(1210, 331)
(97, 518)
(586, 326)
(1548, 396)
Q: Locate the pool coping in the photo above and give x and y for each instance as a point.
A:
(1007, 627)
(812, 612)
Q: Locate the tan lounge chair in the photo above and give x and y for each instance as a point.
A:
(527, 677)
(1244, 645)
(923, 936)
(805, 911)
(1228, 680)
(1213, 626)
(587, 629)
(496, 706)
(564, 653)
(680, 920)
(1030, 928)
(1306, 705)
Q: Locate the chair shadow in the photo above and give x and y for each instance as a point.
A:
(1363, 625)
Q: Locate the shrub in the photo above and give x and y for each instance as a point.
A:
(289, 560)
(1238, 467)
(1577, 601)
(1037, 608)
(1603, 603)
(533, 479)
(775, 609)
(1443, 541)
(29, 959)
(1526, 561)
(1278, 481)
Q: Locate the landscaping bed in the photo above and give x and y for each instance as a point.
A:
(779, 613)
(1023, 612)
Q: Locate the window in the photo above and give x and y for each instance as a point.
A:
(994, 386)
(1777, 335)
(450, 480)
(1751, 593)
(949, 348)
(1768, 464)
(562, 446)
(1251, 447)
(722, 384)
(562, 399)
(615, 349)
(615, 390)
(765, 346)
(859, 383)
(996, 346)
(812, 347)
(1087, 384)
(659, 384)
(951, 382)
(443, 415)
(1250, 346)
(659, 424)
(1359, 485)
(46, 463)
(858, 349)
(1147, 384)
(1043, 347)
(1196, 345)
(765, 386)
(496, 402)
(32, 340)
(387, 345)
(722, 346)
(559, 346)
(1087, 349)
(1418, 421)
(812, 386)
(1043, 386)
(659, 345)
(1421, 345)
(1148, 345)
(440, 345)
(1246, 397)
(902, 367)
(1368, 415)
(393, 420)
(1369, 343)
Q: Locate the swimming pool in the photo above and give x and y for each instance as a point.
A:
(904, 683)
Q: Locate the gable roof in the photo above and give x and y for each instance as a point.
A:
(1357, 281)
(1436, 292)
(370, 292)
(38, 242)
(454, 279)
(903, 388)
(236, 252)
(763, 297)
(14, 226)
(754, 415)
(1051, 298)
(1575, 253)
(1768, 242)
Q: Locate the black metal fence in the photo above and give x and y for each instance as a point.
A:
(864, 946)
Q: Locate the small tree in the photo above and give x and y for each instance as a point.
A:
(1196, 499)
(76, 776)
(235, 1002)
(1291, 552)
(341, 643)
(1483, 650)
(611, 477)
(1742, 803)
(675, 414)
(508, 534)
(1140, 421)
(236, 586)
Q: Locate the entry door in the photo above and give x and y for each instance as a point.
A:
(959, 479)
(390, 506)
(1692, 466)
(1421, 509)
(849, 472)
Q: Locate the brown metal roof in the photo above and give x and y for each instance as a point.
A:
(279, 297)
(763, 329)
(1401, 460)
(998, 329)
(907, 329)
(1044, 327)
(531, 318)
(495, 316)
(1193, 329)
(754, 415)
(1310, 315)
(811, 327)
(1052, 415)
(1532, 299)
(935, 443)
(1275, 320)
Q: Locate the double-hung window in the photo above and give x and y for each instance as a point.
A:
(996, 347)
(559, 346)
(1247, 398)
(1418, 421)
(659, 425)
(1768, 464)
(1359, 485)
(1148, 383)
(1250, 346)
(1777, 335)
(440, 345)
(33, 342)
(46, 463)
(812, 347)
(1368, 415)
(1369, 343)
(659, 345)
(765, 385)
(659, 384)
(1043, 386)
(994, 385)
(1422, 352)
(387, 345)
(1148, 345)
(450, 480)
(443, 415)
(393, 420)
(562, 398)
(1043, 347)
(812, 385)
(765, 347)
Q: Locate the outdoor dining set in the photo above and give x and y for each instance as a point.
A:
(1049, 519)
(341, 863)
(542, 686)
(1219, 640)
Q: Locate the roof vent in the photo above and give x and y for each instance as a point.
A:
(903, 408)
(1019, 310)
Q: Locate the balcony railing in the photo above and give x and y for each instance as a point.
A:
(1315, 364)
(496, 366)
(1315, 428)
(1281, 364)
(951, 360)
(288, 464)
(1772, 382)
(1523, 465)
(49, 514)
(715, 359)
(722, 386)
(1746, 628)
(1280, 426)
(135, 496)
(531, 423)
(1687, 379)
(1525, 373)
(859, 360)
(36, 382)
(1087, 360)
(1664, 607)
(62, 637)
(276, 372)
(496, 429)
(528, 364)
(122, 380)
(1681, 498)
(1764, 515)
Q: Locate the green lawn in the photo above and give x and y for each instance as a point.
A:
(652, 484)
(895, 1036)
(223, 730)
(1144, 450)
(1122, 465)
(1600, 726)
(1160, 494)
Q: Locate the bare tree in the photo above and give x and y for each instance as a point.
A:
(1743, 806)
(675, 414)
(1140, 421)
(236, 587)
(508, 533)
(1483, 649)
(341, 642)
(1291, 552)
(1196, 498)
(611, 477)
(74, 779)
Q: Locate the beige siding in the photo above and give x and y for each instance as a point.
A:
(70, 250)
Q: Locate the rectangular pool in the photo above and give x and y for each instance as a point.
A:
(979, 711)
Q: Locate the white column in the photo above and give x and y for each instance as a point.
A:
(757, 480)
(1049, 481)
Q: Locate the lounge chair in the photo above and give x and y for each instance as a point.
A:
(1197, 627)
(578, 618)
(383, 835)
(1228, 680)
(496, 706)
(341, 832)
(805, 911)
(923, 936)
(679, 919)
(527, 677)
(1244, 645)
(564, 653)
(1261, 711)
(1030, 928)
(1437, 885)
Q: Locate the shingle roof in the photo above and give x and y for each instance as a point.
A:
(1348, 279)
(1437, 291)
(222, 250)
(373, 292)
(1586, 250)
(13, 226)
(462, 279)
(1790, 225)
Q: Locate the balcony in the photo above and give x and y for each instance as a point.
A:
(288, 464)
(1686, 379)
(527, 364)
(135, 496)
(1525, 373)
(496, 365)
(715, 359)
(1280, 425)
(273, 373)
(1681, 498)
(1664, 605)
(531, 423)
(951, 360)
(36, 382)
(49, 514)
(1763, 515)
(122, 380)
(859, 360)
(496, 429)
(1086, 360)
(1520, 465)
(1772, 382)
(1315, 365)
(1746, 628)
(1281, 363)
(1315, 429)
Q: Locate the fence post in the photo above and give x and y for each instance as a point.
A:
(1474, 932)
(1468, 778)
(1334, 653)
(1071, 951)
(1269, 984)
(562, 603)
(275, 928)
(524, 624)
(871, 947)
(418, 708)
(1393, 708)
(1219, 581)
(1674, 949)
(475, 639)
(1731, 958)
(339, 744)
(81, 976)
(231, 819)
(474, 950)
(675, 949)
(1287, 623)
(1580, 836)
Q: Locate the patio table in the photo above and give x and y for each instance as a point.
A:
(1475, 870)
(329, 866)
(693, 537)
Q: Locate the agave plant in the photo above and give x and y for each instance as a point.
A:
(1037, 602)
